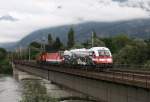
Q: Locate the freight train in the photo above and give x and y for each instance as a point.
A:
(99, 57)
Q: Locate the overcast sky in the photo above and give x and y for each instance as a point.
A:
(20, 17)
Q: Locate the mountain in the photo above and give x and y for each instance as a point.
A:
(9, 46)
(134, 28)
(139, 28)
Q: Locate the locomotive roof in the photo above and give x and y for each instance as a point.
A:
(93, 48)
(82, 49)
(99, 48)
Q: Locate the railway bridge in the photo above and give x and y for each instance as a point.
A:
(106, 86)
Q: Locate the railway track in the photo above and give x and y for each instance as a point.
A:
(97, 70)
(118, 73)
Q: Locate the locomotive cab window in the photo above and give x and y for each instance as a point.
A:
(104, 53)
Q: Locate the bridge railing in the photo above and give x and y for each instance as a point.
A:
(131, 66)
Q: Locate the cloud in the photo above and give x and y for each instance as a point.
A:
(8, 18)
(142, 4)
(30, 15)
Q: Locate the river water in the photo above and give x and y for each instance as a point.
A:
(11, 90)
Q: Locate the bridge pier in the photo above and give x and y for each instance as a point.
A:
(103, 91)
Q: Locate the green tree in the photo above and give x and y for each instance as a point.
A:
(147, 64)
(98, 42)
(148, 45)
(71, 40)
(120, 41)
(5, 67)
(94, 35)
(35, 49)
(135, 53)
(35, 44)
(50, 40)
(57, 44)
(3, 54)
(49, 46)
(109, 44)
(87, 44)
(78, 46)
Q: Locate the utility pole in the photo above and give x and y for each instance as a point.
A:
(92, 39)
(41, 47)
(43, 41)
(29, 53)
(12, 56)
(20, 50)
(17, 53)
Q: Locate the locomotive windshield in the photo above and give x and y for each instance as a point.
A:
(104, 53)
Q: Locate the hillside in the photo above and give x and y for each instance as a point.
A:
(139, 28)
(134, 28)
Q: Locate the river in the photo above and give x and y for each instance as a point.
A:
(10, 89)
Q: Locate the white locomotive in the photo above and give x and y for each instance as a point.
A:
(99, 56)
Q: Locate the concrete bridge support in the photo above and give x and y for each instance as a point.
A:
(104, 91)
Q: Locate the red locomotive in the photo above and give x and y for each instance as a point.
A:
(55, 58)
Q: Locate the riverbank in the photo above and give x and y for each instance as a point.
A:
(5, 67)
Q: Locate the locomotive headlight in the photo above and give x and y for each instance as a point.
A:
(109, 60)
(101, 59)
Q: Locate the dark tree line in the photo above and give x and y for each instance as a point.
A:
(5, 67)
(3, 54)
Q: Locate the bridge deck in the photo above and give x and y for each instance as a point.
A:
(133, 79)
